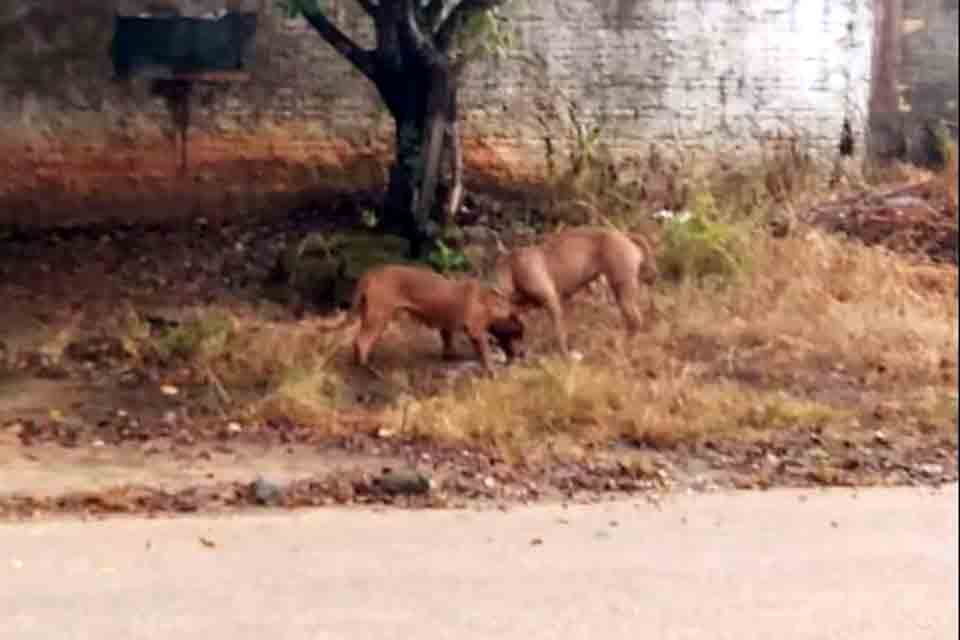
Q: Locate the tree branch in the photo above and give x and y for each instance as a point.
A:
(434, 13)
(417, 39)
(459, 16)
(370, 6)
(360, 58)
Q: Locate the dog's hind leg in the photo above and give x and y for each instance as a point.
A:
(627, 293)
(368, 335)
(555, 308)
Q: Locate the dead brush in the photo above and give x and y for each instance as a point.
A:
(727, 361)
(812, 311)
(287, 367)
(559, 409)
(825, 300)
(290, 365)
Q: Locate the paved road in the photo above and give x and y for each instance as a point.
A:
(778, 565)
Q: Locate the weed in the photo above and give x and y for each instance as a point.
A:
(202, 337)
(696, 247)
(303, 397)
(447, 260)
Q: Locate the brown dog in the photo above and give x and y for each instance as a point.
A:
(447, 305)
(547, 274)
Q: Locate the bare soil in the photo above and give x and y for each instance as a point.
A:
(87, 426)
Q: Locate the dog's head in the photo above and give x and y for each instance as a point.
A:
(505, 326)
(508, 333)
(498, 305)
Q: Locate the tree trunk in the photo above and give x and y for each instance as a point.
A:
(454, 194)
(435, 129)
(399, 206)
(453, 157)
(423, 107)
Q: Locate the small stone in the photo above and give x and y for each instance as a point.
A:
(384, 433)
(98, 444)
(266, 492)
(489, 482)
(404, 482)
(931, 469)
(169, 390)
(234, 427)
(170, 417)
(880, 437)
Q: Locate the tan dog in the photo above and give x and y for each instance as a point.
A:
(547, 274)
(444, 304)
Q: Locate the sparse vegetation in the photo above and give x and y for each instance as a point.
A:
(793, 342)
(699, 246)
(748, 318)
(760, 336)
(447, 260)
(818, 334)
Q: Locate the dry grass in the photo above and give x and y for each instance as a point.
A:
(814, 334)
(288, 368)
(558, 408)
(804, 339)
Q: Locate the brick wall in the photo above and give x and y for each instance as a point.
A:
(716, 75)
(928, 75)
(916, 77)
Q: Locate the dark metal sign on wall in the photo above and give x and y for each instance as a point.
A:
(169, 46)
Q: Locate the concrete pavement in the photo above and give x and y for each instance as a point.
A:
(779, 565)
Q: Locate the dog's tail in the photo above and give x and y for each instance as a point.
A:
(349, 317)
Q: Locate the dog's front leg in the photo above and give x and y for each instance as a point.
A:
(449, 353)
(482, 347)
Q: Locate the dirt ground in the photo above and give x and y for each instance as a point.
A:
(88, 424)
